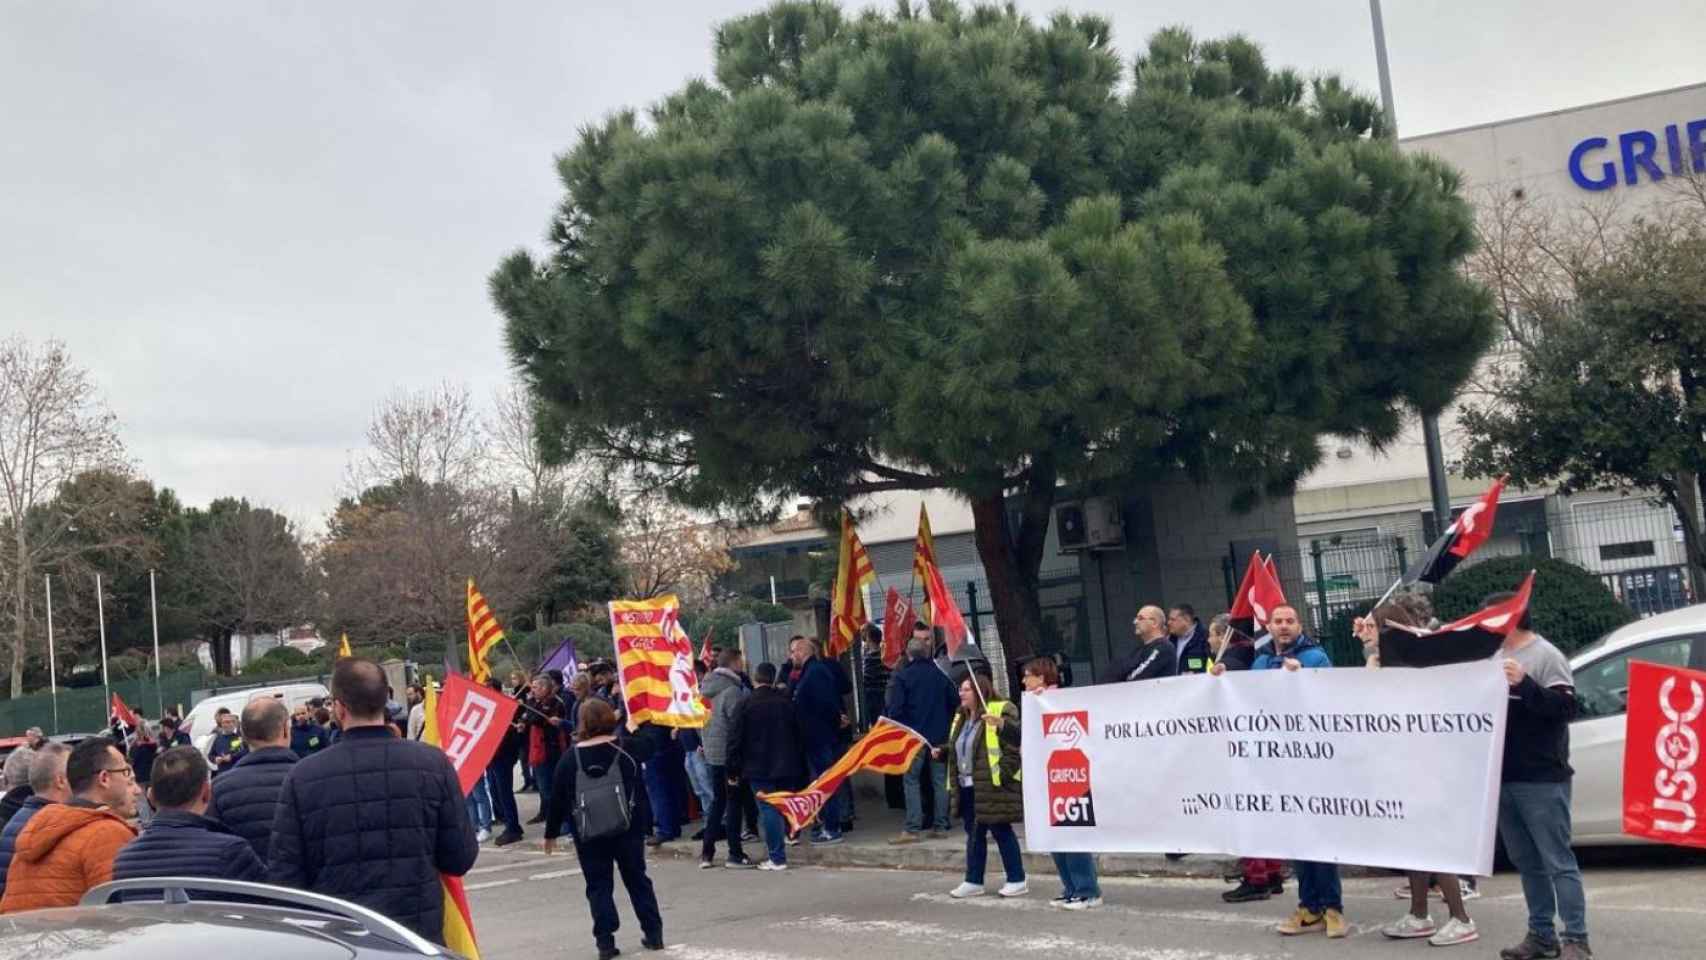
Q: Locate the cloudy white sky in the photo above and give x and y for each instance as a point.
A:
(252, 221)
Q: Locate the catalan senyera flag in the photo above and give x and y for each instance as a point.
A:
(924, 562)
(888, 748)
(343, 646)
(483, 634)
(847, 601)
(654, 662)
(458, 920)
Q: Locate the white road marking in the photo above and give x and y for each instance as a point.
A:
(554, 874)
(489, 884)
(1026, 903)
(482, 871)
(547, 875)
(1048, 943)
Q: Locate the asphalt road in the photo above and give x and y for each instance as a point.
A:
(1646, 905)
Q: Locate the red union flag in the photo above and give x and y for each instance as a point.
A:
(1661, 754)
(898, 618)
(471, 724)
(888, 748)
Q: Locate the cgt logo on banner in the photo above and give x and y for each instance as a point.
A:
(1660, 753)
(1069, 802)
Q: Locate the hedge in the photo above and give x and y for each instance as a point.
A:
(1571, 607)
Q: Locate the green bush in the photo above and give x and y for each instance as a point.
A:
(1571, 607)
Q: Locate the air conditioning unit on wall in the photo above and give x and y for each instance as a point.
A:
(1091, 524)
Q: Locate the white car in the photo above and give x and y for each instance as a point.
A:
(199, 723)
(1676, 639)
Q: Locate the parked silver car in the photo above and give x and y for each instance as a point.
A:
(1676, 639)
(156, 919)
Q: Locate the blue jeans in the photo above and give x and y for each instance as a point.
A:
(542, 773)
(480, 806)
(770, 823)
(977, 843)
(665, 818)
(819, 757)
(912, 783)
(1534, 820)
(1318, 886)
(1078, 875)
(500, 781)
(699, 778)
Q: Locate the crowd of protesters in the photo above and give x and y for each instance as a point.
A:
(319, 799)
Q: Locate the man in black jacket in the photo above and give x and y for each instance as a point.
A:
(1154, 658)
(923, 698)
(1190, 640)
(246, 798)
(181, 841)
(373, 818)
(767, 748)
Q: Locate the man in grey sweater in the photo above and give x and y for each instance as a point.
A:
(723, 689)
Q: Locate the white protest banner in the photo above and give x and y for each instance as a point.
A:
(1387, 768)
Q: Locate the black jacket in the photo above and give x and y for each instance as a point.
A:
(923, 698)
(308, 738)
(1153, 659)
(1192, 652)
(1239, 652)
(177, 843)
(11, 804)
(374, 819)
(597, 759)
(246, 799)
(765, 742)
(9, 834)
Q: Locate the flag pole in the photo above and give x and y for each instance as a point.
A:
(154, 615)
(52, 670)
(101, 615)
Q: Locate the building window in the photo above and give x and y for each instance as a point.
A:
(1626, 551)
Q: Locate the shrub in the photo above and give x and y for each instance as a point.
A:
(1571, 607)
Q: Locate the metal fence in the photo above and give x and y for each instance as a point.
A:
(84, 709)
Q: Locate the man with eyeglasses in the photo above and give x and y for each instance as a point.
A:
(1154, 658)
(68, 848)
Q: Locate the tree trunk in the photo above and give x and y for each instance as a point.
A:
(1012, 563)
(220, 649)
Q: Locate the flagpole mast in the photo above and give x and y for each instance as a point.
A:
(52, 670)
(101, 615)
(154, 615)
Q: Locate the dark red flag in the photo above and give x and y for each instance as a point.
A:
(898, 618)
(1475, 637)
(1471, 529)
(125, 715)
(1258, 594)
(471, 724)
(705, 655)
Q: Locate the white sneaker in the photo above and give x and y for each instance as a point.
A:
(481, 836)
(1471, 889)
(772, 865)
(1083, 903)
(1014, 889)
(1409, 927)
(1455, 932)
(965, 890)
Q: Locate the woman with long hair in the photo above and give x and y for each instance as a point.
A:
(983, 784)
(1079, 889)
(597, 750)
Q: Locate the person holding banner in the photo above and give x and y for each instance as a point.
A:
(1080, 889)
(983, 784)
(597, 750)
(1320, 898)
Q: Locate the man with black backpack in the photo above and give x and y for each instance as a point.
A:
(600, 784)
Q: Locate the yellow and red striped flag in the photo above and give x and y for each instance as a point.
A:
(458, 920)
(847, 602)
(938, 608)
(924, 562)
(654, 662)
(483, 634)
(888, 748)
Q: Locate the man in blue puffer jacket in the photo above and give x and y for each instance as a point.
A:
(48, 786)
(817, 698)
(245, 798)
(181, 841)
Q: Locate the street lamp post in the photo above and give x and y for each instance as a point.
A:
(1437, 488)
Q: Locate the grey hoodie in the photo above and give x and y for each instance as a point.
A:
(723, 690)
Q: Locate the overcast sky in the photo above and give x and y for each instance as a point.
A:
(252, 220)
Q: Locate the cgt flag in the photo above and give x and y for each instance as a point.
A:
(483, 634)
(125, 715)
(654, 661)
(1661, 754)
(1471, 529)
(458, 931)
(888, 748)
(1475, 637)
(898, 617)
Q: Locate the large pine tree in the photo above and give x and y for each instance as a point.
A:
(960, 249)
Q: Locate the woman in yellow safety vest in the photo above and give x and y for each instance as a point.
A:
(983, 763)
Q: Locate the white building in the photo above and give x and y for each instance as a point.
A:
(1614, 156)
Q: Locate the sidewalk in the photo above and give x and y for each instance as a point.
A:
(867, 846)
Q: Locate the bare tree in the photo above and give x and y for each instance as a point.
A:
(54, 425)
(433, 436)
(666, 549)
